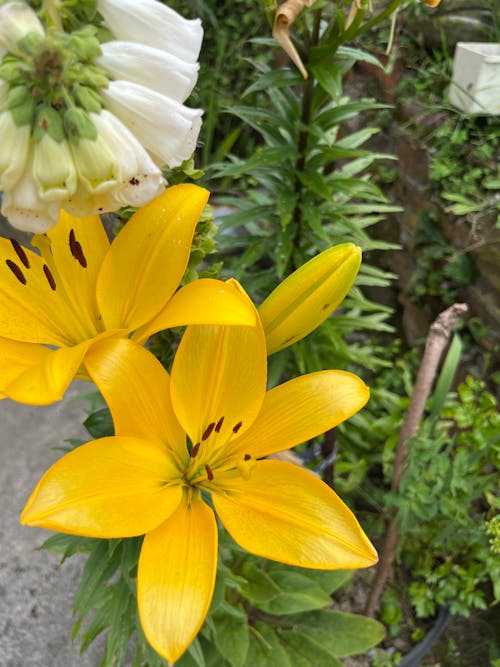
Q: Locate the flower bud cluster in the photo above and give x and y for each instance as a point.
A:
(84, 126)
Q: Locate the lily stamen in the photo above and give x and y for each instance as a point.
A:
(237, 427)
(207, 432)
(195, 450)
(16, 271)
(210, 474)
(50, 277)
(77, 250)
(20, 252)
(219, 425)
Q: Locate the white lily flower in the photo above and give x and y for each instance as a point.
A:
(150, 67)
(24, 208)
(53, 169)
(17, 20)
(151, 22)
(14, 152)
(141, 179)
(167, 129)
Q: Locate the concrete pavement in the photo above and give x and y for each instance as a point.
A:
(35, 592)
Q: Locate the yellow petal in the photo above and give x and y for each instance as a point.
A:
(203, 301)
(112, 487)
(33, 308)
(285, 513)
(301, 409)
(148, 257)
(218, 381)
(136, 388)
(176, 577)
(74, 249)
(16, 358)
(309, 295)
(46, 381)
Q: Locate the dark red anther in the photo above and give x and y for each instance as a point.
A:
(210, 474)
(77, 250)
(208, 431)
(195, 450)
(219, 425)
(247, 457)
(20, 252)
(50, 277)
(237, 427)
(16, 271)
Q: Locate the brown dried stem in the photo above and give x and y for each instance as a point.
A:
(439, 335)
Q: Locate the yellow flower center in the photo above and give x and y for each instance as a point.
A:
(208, 465)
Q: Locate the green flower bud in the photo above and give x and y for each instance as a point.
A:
(13, 71)
(21, 103)
(87, 98)
(85, 44)
(48, 122)
(91, 75)
(77, 125)
(30, 43)
(307, 297)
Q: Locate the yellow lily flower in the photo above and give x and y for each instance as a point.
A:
(82, 289)
(149, 478)
(309, 295)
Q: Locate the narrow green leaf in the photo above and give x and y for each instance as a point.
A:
(446, 377)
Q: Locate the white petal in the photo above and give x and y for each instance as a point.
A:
(14, 141)
(162, 125)
(23, 207)
(4, 86)
(17, 19)
(97, 167)
(151, 22)
(82, 203)
(53, 169)
(149, 67)
(142, 180)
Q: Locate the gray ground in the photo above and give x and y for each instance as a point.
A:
(35, 593)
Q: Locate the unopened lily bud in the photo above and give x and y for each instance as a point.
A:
(307, 297)
(17, 21)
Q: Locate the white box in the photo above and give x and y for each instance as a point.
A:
(475, 86)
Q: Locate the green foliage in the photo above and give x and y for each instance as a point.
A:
(307, 187)
(262, 613)
(442, 270)
(447, 499)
